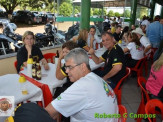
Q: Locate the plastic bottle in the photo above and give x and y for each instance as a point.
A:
(29, 66)
(56, 57)
(23, 85)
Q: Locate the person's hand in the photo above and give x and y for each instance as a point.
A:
(61, 55)
(46, 66)
(91, 51)
(92, 38)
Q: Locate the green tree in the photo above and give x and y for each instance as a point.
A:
(10, 5)
(95, 11)
(91, 12)
(65, 9)
(111, 13)
(76, 11)
(117, 14)
(104, 12)
(141, 11)
(127, 13)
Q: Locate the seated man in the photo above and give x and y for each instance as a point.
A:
(114, 68)
(93, 38)
(117, 33)
(80, 100)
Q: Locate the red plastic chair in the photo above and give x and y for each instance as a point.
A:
(149, 56)
(144, 97)
(122, 112)
(139, 66)
(153, 50)
(15, 65)
(117, 89)
(150, 108)
(50, 56)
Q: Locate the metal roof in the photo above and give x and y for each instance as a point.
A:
(105, 3)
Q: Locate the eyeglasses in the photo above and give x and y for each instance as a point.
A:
(71, 67)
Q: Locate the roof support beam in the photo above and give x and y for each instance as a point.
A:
(133, 12)
(85, 14)
(153, 2)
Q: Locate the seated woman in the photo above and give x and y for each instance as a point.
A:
(135, 48)
(155, 81)
(29, 49)
(81, 39)
(61, 71)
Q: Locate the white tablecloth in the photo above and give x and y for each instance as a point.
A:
(49, 77)
(9, 86)
(98, 53)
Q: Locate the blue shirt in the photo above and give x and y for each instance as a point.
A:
(154, 32)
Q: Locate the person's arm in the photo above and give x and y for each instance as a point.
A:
(94, 57)
(125, 50)
(86, 48)
(116, 68)
(74, 38)
(91, 41)
(60, 75)
(147, 49)
(52, 111)
(45, 64)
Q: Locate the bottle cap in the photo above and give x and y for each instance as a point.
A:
(9, 119)
(120, 41)
(29, 61)
(22, 79)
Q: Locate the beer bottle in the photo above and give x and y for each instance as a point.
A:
(38, 71)
(56, 57)
(34, 68)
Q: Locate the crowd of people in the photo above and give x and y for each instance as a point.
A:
(78, 96)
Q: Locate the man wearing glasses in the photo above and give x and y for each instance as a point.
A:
(88, 97)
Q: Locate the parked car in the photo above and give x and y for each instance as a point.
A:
(26, 17)
(3, 14)
(47, 17)
(38, 16)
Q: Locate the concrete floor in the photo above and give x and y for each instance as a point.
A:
(131, 96)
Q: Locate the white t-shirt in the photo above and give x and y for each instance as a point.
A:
(136, 51)
(96, 40)
(145, 42)
(86, 99)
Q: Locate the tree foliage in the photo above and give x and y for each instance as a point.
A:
(127, 13)
(141, 12)
(10, 5)
(111, 13)
(98, 12)
(117, 14)
(65, 9)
